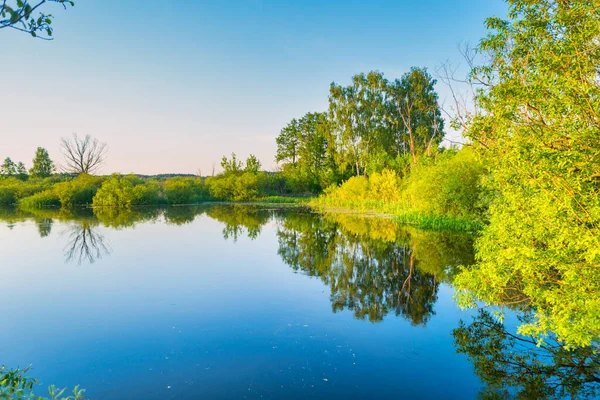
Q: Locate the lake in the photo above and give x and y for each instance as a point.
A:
(236, 301)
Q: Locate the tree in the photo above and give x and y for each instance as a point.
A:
(288, 142)
(538, 130)
(231, 167)
(43, 166)
(82, 156)
(356, 112)
(252, 164)
(20, 16)
(305, 149)
(415, 114)
(8, 168)
(21, 171)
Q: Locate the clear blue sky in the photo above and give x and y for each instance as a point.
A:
(171, 86)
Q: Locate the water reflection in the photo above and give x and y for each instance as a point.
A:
(513, 366)
(373, 266)
(84, 243)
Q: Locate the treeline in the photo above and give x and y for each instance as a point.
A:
(238, 182)
(371, 125)
(378, 148)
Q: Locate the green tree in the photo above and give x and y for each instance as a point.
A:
(306, 153)
(357, 115)
(8, 168)
(21, 171)
(231, 166)
(252, 164)
(414, 114)
(288, 143)
(43, 166)
(538, 132)
(20, 15)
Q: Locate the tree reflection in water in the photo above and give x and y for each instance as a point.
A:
(513, 366)
(373, 266)
(84, 244)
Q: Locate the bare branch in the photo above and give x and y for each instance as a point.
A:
(82, 156)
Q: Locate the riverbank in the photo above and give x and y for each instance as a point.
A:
(398, 213)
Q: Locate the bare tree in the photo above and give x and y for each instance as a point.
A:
(82, 156)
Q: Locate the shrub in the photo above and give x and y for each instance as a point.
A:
(448, 187)
(47, 198)
(185, 190)
(7, 196)
(79, 191)
(354, 189)
(384, 186)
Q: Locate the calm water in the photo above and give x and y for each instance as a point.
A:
(232, 302)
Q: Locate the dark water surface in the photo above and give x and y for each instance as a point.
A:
(233, 302)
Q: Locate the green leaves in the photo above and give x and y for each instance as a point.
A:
(21, 18)
(539, 131)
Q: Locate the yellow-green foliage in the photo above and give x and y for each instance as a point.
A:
(115, 192)
(185, 190)
(242, 187)
(384, 186)
(539, 131)
(450, 186)
(442, 191)
(353, 190)
(46, 198)
(79, 191)
(13, 189)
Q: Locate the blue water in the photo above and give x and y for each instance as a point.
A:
(204, 306)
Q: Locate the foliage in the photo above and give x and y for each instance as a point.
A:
(13, 189)
(384, 186)
(8, 168)
(305, 148)
(14, 384)
(20, 16)
(46, 198)
(447, 186)
(252, 164)
(242, 187)
(43, 166)
(538, 133)
(440, 191)
(231, 166)
(79, 191)
(7, 196)
(185, 190)
(125, 191)
(375, 121)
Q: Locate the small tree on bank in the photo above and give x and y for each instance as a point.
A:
(43, 166)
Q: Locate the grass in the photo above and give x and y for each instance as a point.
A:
(399, 212)
(283, 200)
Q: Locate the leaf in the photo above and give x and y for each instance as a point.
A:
(14, 17)
(28, 10)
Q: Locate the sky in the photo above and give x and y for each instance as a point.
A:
(171, 86)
